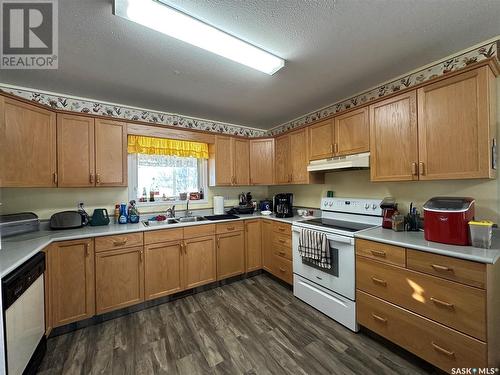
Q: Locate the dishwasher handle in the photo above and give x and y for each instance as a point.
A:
(19, 280)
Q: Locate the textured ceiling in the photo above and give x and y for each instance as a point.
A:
(333, 49)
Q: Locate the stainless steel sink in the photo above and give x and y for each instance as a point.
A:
(190, 219)
(154, 223)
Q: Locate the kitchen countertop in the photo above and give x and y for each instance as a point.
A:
(416, 240)
(18, 249)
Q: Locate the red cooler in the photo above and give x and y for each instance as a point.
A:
(446, 220)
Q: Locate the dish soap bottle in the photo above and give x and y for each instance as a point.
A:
(122, 219)
(133, 213)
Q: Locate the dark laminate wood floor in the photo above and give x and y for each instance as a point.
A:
(253, 326)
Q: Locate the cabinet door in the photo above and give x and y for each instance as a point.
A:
(282, 165)
(241, 161)
(267, 245)
(119, 278)
(162, 269)
(200, 265)
(71, 279)
(321, 140)
(223, 161)
(393, 139)
(454, 127)
(75, 151)
(253, 241)
(27, 144)
(230, 255)
(262, 161)
(298, 157)
(352, 132)
(110, 153)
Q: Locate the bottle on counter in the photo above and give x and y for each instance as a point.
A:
(133, 213)
(122, 219)
(117, 213)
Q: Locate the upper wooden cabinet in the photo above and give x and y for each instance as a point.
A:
(28, 144)
(451, 138)
(352, 132)
(292, 160)
(75, 151)
(456, 126)
(346, 134)
(321, 140)
(393, 141)
(262, 161)
(230, 161)
(71, 281)
(110, 153)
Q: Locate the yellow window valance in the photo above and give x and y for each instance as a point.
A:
(138, 144)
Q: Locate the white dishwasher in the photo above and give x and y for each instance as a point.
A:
(23, 303)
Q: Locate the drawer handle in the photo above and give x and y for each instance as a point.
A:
(120, 243)
(438, 267)
(282, 269)
(378, 253)
(281, 252)
(443, 350)
(230, 228)
(281, 241)
(442, 303)
(379, 281)
(379, 318)
(281, 229)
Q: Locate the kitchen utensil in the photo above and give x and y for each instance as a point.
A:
(66, 220)
(266, 213)
(481, 233)
(99, 217)
(19, 223)
(242, 199)
(266, 205)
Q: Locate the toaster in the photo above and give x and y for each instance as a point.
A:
(446, 220)
(66, 220)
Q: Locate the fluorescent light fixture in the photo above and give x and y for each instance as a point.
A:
(174, 23)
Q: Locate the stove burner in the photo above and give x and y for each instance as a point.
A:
(347, 226)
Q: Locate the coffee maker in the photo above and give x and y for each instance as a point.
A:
(283, 205)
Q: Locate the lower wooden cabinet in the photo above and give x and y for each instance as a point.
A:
(253, 245)
(230, 254)
(163, 266)
(277, 249)
(119, 278)
(200, 265)
(70, 280)
(267, 245)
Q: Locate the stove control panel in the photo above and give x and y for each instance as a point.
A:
(352, 205)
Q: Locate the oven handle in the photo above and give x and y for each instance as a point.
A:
(333, 237)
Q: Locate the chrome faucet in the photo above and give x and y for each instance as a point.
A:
(171, 212)
(187, 209)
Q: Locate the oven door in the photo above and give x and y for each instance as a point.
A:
(341, 279)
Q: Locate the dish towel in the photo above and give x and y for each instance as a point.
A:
(314, 247)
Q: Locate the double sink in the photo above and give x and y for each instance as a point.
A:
(188, 219)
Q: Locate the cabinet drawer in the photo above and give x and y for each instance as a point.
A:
(163, 235)
(282, 240)
(454, 305)
(282, 228)
(233, 226)
(118, 241)
(437, 344)
(459, 270)
(199, 230)
(282, 268)
(282, 251)
(382, 252)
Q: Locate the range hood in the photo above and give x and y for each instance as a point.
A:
(340, 162)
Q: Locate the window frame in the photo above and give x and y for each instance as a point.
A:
(133, 184)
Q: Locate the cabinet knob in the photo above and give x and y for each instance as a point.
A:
(378, 253)
(414, 170)
(98, 178)
(54, 175)
(91, 178)
(421, 168)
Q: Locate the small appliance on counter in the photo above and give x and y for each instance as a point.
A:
(266, 205)
(446, 220)
(245, 205)
(23, 222)
(283, 205)
(99, 217)
(66, 220)
(389, 208)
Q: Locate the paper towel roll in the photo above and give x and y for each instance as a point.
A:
(218, 205)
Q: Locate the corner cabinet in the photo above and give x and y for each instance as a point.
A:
(262, 161)
(70, 281)
(444, 130)
(28, 144)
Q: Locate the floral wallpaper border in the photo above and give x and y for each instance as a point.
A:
(74, 104)
(450, 65)
(130, 113)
